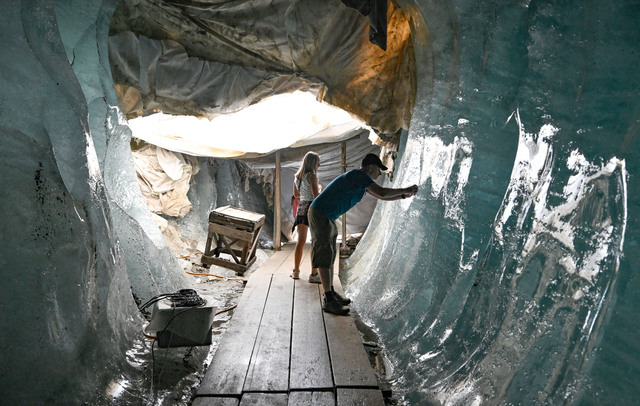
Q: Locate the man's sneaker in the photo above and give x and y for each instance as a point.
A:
(344, 301)
(332, 306)
(314, 278)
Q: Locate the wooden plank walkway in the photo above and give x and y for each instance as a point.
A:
(281, 349)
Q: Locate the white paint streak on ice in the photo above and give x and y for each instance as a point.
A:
(439, 166)
(531, 158)
(446, 335)
(556, 221)
(530, 182)
(428, 355)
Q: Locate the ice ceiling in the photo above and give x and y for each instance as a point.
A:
(511, 278)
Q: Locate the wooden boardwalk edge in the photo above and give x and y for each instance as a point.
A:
(281, 349)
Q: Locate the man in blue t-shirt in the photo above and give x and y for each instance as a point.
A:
(336, 199)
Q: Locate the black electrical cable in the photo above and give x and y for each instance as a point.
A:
(181, 298)
(187, 298)
(155, 299)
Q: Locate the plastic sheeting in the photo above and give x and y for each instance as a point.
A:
(282, 121)
(376, 11)
(248, 50)
(330, 167)
(164, 178)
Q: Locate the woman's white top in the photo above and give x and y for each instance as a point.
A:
(304, 188)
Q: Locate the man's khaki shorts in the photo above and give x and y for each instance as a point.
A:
(324, 235)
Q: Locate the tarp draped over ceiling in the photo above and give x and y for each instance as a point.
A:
(248, 50)
(283, 121)
(376, 11)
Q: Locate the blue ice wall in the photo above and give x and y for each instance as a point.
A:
(511, 277)
(82, 29)
(64, 291)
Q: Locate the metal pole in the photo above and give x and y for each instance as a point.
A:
(276, 205)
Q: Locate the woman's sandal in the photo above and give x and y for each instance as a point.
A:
(295, 274)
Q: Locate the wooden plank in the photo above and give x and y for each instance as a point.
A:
(228, 369)
(359, 397)
(349, 360)
(280, 259)
(225, 263)
(244, 219)
(230, 232)
(315, 398)
(212, 401)
(269, 367)
(254, 242)
(287, 267)
(264, 399)
(254, 358)
(310, 365)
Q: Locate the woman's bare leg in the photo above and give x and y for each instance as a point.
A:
(302, 239)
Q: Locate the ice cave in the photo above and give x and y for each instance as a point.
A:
(508, 279)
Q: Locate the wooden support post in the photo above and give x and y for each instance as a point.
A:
(276, 205)
(344, 216)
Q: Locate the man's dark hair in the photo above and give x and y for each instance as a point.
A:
(372, 159)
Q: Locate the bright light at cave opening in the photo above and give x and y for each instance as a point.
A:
(282, 121)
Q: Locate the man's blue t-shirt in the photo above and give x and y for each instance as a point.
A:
(342, 193)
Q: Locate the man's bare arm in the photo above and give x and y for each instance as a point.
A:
(385, 193)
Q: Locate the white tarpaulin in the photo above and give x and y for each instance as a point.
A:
(213, 57)
(283, 121)
(164, 178)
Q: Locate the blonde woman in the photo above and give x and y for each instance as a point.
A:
(305, 189)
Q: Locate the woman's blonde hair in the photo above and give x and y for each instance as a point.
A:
(309, 163)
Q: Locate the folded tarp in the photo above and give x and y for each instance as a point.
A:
(164, 177)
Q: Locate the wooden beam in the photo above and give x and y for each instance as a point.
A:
(230, 232)
(349, 360)
(310, 365)
(269, 366)
(276, 205)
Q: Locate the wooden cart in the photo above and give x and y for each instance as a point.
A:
(235, 232)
